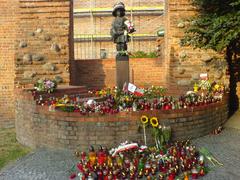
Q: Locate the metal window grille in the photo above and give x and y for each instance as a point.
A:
(92, 23)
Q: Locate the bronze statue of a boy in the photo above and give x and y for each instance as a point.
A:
(121, 28)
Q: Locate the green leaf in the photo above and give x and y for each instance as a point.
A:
(216, 27)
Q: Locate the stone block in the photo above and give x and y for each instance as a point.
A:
(195, 76)
(58, 79)
(184, 82)
(55, 47)
(27, 58)
(29, 74)
(218, 75)
(47, 37)
(49, 67)
(23, 44)
(181, 70)
(37, 57)
(206, 58)
(39, 30)
(31, 33)
(181, 25)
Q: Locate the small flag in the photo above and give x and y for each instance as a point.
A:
(131, 87)
(139, 92)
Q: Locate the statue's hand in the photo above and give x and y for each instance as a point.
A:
(131, 31)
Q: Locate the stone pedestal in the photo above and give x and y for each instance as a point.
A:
(122, 70)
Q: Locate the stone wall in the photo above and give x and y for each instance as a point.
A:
(43, 48)
(185, 63)
(37, 127)
(34, 43)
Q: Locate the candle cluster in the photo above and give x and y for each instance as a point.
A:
(112, 101)
(178, 160)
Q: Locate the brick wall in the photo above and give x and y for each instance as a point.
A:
(7, 54)
(144, 72)
(34, 43)
(37, 127)
(101, 73)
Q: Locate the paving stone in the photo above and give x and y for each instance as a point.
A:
(37, 57)
(48, 164)
(49, 67)
(44, 164)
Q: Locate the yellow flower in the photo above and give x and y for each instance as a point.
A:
(154, 122)
(195, 88)
(217, 87)
(60, 105)
(144, 119)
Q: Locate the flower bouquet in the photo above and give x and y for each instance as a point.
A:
(205, 86)
(209, 156)
(161, 134)
(45, 85)
(154, 92)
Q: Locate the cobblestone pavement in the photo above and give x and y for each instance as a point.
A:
(44, 164)
(53, 164)
(226, 148)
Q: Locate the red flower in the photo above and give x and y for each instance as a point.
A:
(73, 176)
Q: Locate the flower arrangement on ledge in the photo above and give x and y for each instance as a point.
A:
(114, 100)
(205, 86)
(45, 85)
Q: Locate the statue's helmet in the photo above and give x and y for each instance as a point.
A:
(118, 6)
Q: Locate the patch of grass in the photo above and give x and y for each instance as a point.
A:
(10, 149)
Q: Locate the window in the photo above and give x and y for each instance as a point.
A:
(92, 23)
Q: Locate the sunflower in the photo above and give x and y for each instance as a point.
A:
(154, 122)
(144, 119)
